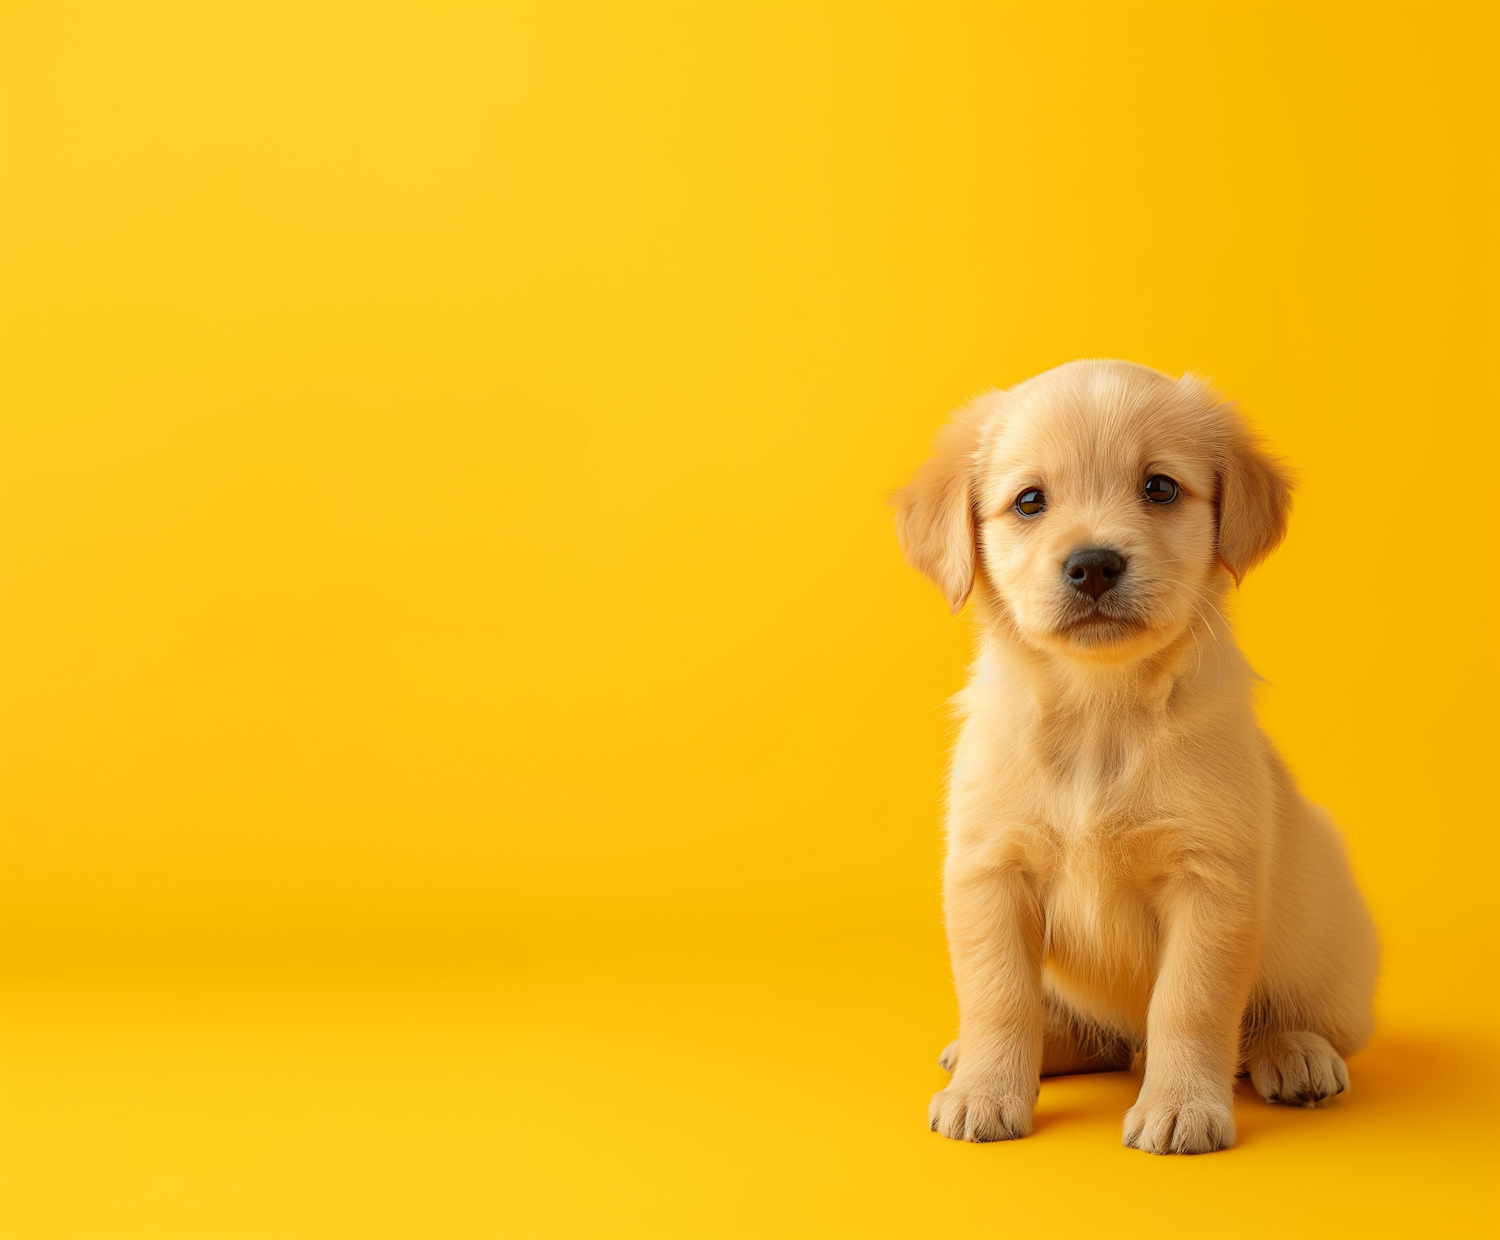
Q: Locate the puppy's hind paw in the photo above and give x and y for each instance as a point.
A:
(1297, 1069)
(948, 1060)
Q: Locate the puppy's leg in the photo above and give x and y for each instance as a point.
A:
(1297, 1068)
(995, 935)
(1192, 1025)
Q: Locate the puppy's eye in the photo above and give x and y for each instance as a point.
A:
(1160, 489)
(1029, 503)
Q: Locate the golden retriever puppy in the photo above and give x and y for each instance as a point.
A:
(1130, 867)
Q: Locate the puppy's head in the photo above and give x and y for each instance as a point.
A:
(1101, 503)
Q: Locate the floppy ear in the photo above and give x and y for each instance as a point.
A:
(1255, 499)
(935, 510)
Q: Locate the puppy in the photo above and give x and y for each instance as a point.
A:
(1130, 866)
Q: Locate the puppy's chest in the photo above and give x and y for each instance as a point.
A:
(1095, 814)
(1103, 830)
(1094, 798)
(1089, 790)
(1101, 941)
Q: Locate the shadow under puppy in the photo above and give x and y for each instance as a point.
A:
(1130, 866)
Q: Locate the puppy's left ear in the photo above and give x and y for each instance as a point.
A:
(1255, 500)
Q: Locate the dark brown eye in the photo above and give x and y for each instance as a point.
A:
(1031, 502)
(1160, 489)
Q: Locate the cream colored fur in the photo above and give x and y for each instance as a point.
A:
(1130, 867)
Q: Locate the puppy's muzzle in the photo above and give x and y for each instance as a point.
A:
(1093, 570)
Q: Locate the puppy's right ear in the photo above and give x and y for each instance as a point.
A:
(935, 510)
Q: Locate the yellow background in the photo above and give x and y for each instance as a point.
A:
(471, 747)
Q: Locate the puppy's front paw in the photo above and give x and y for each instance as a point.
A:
(1179, 1126)
(977, 1113)
(1297, 1069)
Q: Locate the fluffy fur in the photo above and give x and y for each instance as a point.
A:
(1130, 867)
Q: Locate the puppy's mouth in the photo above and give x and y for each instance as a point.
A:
(1095, 626)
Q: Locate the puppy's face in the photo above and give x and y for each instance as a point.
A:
(1102, 502)
(1096, 516)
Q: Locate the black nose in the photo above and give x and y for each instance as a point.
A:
(1094, 570)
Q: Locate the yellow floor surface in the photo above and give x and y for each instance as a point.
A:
(611, 1088)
